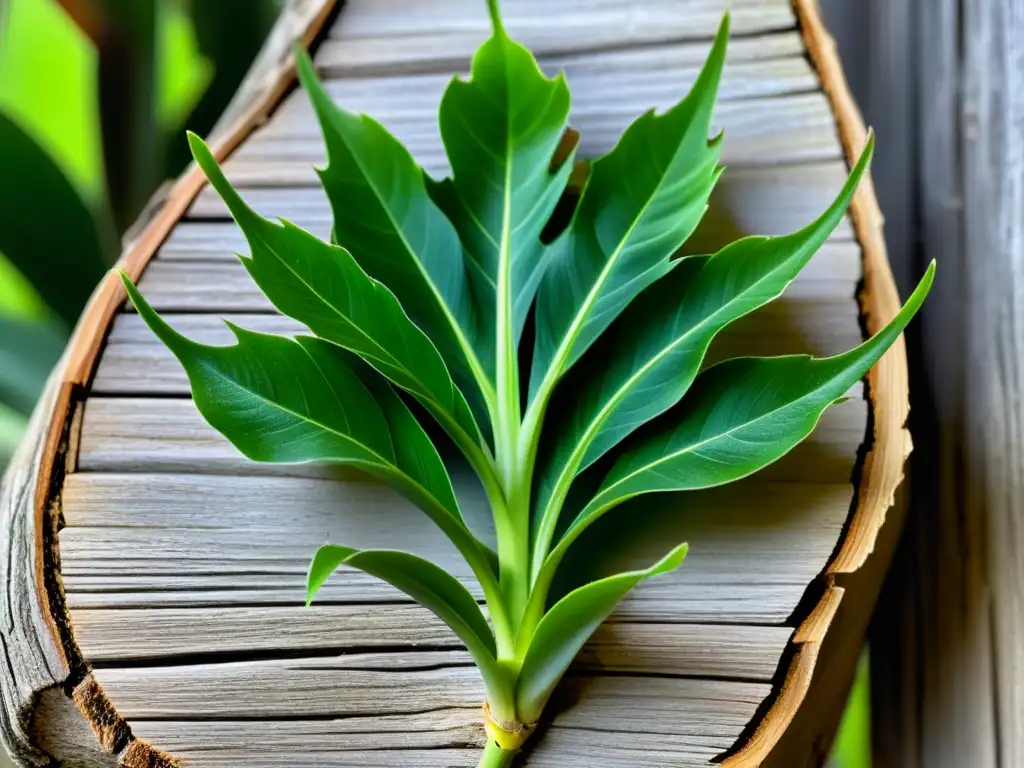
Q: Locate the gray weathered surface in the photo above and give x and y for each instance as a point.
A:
(946, 78)
(33, 661)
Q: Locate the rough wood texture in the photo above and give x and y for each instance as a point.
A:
(33, 659)
(953, 614)
(182, 564)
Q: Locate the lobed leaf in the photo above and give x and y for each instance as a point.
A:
(322, 286)
(640, 204)
(386, 219)
(430, 586)
(656, 348)
(568, 625)
(299, 400)
(501, 129)
(740, 416)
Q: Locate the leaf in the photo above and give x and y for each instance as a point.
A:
(322, 286)
(501, 130)
(739, 417)
(568, 625)
(430, 586)
(28, 352)
(640, 204)
(43, 214)
(298, 400)
(385, 218)
(657, 346)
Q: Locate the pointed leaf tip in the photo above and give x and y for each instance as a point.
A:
(671, 561)
(304, 67)
(569, 623)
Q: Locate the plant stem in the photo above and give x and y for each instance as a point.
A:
(513, 556)
(496, 757)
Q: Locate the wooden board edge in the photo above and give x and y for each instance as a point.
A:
(881, 469)
(41, 462)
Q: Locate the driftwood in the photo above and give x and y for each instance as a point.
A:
(153, 580)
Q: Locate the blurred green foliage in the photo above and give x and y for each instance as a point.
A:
(95, 97)
(852, 747)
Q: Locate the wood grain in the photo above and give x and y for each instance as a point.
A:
(741, 569)
(33, 658)
(741, 204)
(224, 286)
(993, 437)
(135, 363)
(349, 58)
(770, 130)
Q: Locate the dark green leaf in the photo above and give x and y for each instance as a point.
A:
(657, 346)
(568, 625)
(740, 416)
(641, 202)
(322, 286)
(287, 401)
(385, 218)
(430, 586)
(501, 129)
(48, 233)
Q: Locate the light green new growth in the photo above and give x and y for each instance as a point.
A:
(424, 296)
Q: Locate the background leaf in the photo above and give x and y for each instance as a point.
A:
(48, 232)
(28, 352)
(48, 86)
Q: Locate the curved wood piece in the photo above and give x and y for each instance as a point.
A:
(778, 650)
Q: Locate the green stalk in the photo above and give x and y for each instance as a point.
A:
(496, 757)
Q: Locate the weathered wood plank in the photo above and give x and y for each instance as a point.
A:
(136, 363)
(169, 435)
(608, 96)
(225, 286)
(33, 660)
(767, 131)
(149, 540)
(143, 635)
(992, 36)
(202, 240)
(767, 200)
(457, 28)
(360, 741)
(395, 684)
(350, 58)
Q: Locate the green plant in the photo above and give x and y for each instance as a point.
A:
(425, 298)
